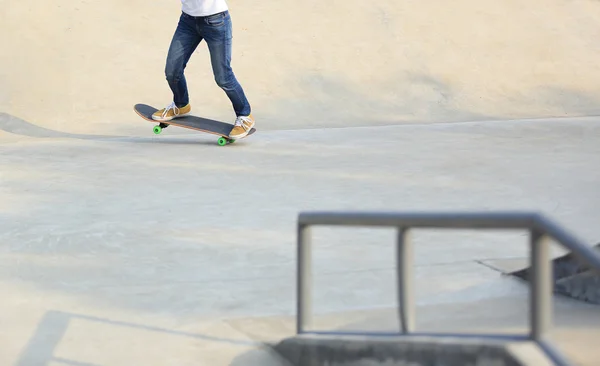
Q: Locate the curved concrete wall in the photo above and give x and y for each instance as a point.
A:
(80, 66)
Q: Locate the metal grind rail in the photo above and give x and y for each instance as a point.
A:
(541, 231)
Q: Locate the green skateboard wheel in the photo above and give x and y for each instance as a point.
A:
(157, 129)
(222, 141)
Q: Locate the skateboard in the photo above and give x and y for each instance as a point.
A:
(192, 122)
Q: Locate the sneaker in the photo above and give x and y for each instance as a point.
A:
(170, 112)
(243, 125)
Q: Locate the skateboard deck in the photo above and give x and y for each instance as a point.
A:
(192, 122)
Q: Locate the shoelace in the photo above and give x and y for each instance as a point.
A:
(240, 122)
(169, 107)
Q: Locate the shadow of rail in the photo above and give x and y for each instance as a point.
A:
(41, 348)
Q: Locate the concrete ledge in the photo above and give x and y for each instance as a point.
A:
(320, 350)
(572, 278)
(582, 286)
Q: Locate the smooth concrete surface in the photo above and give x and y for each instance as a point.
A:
(170, 245)
(119, 247)
(82, 65)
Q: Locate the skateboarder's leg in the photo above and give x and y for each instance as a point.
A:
(184, 42)
(217, 32)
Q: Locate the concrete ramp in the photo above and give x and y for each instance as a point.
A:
(572, 278)
(80, 66)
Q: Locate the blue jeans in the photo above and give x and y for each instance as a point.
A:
(216, 30)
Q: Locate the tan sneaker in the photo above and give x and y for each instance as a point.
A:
(243, 125)
(170, 112)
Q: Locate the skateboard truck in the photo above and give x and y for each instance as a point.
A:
(158, 129)
(222, 141)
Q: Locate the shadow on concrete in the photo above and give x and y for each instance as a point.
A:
(40, 350)
(17, 126)
(572, 102)
(403, 350)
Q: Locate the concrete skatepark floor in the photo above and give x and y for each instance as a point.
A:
(119, 247)
(178, 234)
